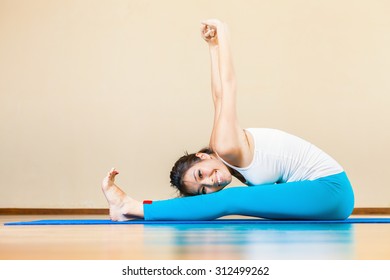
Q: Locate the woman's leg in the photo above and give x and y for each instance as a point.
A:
(326, 198)
(122, 207)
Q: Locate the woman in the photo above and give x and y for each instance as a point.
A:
(289, 178)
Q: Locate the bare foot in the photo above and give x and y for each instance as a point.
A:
(122, 207)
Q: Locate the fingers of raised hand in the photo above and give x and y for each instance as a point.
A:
(208, 32)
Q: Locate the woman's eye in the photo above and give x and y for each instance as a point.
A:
(200, 174)
(203, 190)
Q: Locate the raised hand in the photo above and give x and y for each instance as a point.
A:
(209, 30)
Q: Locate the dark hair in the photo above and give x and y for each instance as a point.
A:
(180, 168)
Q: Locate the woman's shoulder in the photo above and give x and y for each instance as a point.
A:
(264, 131)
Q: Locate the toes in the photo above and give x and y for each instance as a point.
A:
(112, 173)
(109, 179)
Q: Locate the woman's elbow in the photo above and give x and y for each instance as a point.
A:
(229, 84)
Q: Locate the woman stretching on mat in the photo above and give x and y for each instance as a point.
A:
(288, 178)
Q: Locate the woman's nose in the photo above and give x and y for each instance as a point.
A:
(209, 180)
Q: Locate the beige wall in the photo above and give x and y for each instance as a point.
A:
(87, 85)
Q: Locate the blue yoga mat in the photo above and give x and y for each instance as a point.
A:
(218, 221)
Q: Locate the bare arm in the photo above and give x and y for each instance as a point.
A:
(228, 139)
(216, 88)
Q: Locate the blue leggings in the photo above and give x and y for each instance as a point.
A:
(327, 198)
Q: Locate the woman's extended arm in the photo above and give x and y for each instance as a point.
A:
(209, 35)
(228, 139)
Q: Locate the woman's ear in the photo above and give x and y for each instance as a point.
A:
(203, 155)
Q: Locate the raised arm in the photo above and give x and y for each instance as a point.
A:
(228, 139)
(209, 35)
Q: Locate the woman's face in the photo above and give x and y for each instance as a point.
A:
(206, 176)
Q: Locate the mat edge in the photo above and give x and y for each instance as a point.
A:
(103, 211)
(221, 221)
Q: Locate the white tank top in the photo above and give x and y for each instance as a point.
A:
(280, 157)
